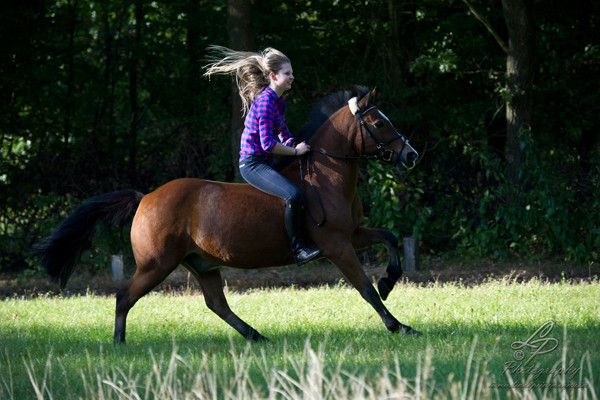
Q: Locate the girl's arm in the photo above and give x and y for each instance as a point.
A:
(283, 150)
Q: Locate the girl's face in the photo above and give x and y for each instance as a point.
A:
(282, 80)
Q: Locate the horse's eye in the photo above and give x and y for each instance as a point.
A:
(379, 124)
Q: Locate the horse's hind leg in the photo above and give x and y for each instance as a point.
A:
(212, 288)
(147, 277)
(364, 237)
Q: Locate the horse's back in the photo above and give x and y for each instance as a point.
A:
(227, 223)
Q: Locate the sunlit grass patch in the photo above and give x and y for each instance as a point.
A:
(325, 343)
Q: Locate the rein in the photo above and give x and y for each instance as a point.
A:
(386, 155)
(319, 224)
(376, 157)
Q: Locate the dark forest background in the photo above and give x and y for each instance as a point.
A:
(501, 98)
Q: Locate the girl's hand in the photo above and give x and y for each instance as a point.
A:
(302, 148)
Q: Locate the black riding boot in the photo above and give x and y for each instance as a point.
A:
(293, 226)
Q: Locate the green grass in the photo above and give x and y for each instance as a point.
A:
(325, 343)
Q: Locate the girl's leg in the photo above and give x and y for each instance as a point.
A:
(264, 177)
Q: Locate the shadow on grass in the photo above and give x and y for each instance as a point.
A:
(449, 352)
(153, 335)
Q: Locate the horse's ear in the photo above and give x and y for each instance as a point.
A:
(371, 96)
(367, 100)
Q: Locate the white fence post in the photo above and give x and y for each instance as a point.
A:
(116, 264)
(411, 253)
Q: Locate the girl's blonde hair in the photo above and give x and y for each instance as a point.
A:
(251, 70)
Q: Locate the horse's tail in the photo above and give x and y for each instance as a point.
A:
(59, 252)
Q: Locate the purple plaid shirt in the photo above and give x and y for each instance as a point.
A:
(265, 119)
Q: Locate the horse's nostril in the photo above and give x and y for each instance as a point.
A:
(412, 157)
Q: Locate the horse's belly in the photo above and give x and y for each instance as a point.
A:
(247, 243)
(241, 227)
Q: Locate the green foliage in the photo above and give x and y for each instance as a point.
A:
(395, 201)
(94, 100)
(465, 206)
(487, 217)
(549, 215)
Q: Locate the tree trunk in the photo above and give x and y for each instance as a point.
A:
(393, 44)
(190, 146)
(133, 94)
(520, 63)
(72, 7)
(241, 37)
(195, 53)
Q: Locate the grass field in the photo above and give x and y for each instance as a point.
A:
(326, 343)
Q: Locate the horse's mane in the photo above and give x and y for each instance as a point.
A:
(320, 113)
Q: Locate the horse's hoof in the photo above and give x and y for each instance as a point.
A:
(256, 337)
(405, 330)
(413, 332)
(119, 341)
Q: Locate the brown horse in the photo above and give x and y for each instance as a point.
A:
(203, 225)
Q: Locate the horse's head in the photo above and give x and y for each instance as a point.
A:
(378, 135)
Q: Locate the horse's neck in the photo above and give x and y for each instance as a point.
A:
(342, 173)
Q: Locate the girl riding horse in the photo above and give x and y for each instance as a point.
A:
(204, 225)
(262, 78)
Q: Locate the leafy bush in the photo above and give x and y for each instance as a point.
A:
(551, 215)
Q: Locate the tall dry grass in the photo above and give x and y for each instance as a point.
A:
(307, 378)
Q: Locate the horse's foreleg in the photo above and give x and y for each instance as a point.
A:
(212, 288)
(348, 263)
(365, 237)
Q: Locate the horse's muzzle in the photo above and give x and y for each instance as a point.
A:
(408, 159)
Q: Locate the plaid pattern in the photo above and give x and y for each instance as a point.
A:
(265, 119)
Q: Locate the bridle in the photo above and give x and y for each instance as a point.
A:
(386, 155)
